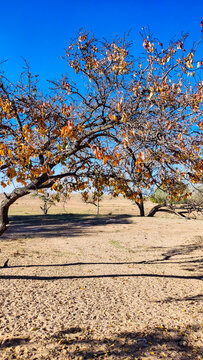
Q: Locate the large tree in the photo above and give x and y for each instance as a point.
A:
(160, 141)
(44, 139)
(140, 120)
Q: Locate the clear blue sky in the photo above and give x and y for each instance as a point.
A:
(40, 30)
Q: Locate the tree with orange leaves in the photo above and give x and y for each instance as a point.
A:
(141, 120)
(160, 139)
(160, 143)
(45, 139)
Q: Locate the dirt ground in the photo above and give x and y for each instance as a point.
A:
(110, 287)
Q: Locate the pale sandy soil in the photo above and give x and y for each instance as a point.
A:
(113, 287)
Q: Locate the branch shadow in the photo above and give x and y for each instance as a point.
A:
(58, 225)
(13, 342)
(188, 264)
(144, 262)
(71, 277)
(73, 225)
(194, 298)
(183, 250)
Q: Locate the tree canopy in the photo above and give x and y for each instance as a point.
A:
(138, 120)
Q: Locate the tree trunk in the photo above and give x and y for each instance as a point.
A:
(97, 207)
(44, 208)
(154, 210)
(15, 195)
(6, 203)
(167, 208)
(141, 208)
(3, 219)
(141, 205)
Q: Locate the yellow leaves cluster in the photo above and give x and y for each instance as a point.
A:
(124, 117)
(82, 185)
(68, 130)
(75, 65)
(113, 117)
(119, 105)
(136, 89)
(11, 173)
(151, 93)
(5, 153)
(99, 153)
(197, 99)
(81, 38)
(117, 58)
(85, 196)
(27, 132)
(66, 110)
(91, 64)
(148, 46)
(164, 90)
(165, 59)
(3, 184)
(189, 60)
(121, 68)
(5, 105)
(139, 161)
(2, 150)
(105, 159)
(80, 128)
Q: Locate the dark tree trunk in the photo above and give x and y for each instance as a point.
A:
(15, 195)
(140, 205)
(155, 209)
(3, 219)
(169, 209)
(141, 208)
(6, 203)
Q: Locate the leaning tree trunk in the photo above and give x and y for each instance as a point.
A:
(172, 209)
(155, 209)
(15, 195)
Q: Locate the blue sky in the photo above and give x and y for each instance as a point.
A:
(40, 30)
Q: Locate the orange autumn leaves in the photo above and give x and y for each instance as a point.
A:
(139, 113)
(87, 54)
(20, 153)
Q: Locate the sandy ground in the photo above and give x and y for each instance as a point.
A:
(113, 287)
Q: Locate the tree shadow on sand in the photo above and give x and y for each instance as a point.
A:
(191, 299)
(187, 262)
(13, 342)
(160, 342)
(154, 343)
(34, 226)
(114, 276)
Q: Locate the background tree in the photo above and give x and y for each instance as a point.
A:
(46, 199)
(97, 186)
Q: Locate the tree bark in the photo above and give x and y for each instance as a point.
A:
(154, 210)
(141, 205)
(167, 208)
(6, 203)
(141, 208)
(15, 195)
(3, 218)
(97, 207)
